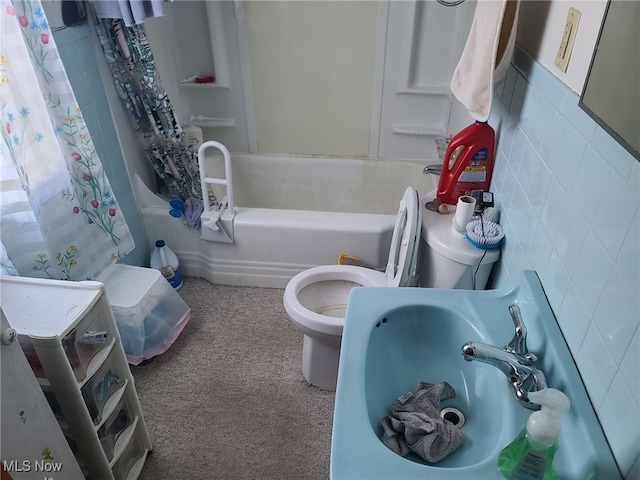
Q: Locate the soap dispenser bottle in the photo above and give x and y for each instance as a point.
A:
(530, 455)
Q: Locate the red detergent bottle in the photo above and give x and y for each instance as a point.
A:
(468, 163)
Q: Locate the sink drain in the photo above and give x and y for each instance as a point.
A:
(453, 415)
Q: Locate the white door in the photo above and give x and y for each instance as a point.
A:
(420, 43)
(32, 445)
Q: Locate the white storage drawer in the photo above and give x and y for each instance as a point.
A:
(86, 340)
(132, 459)
(113, 430)
(102, 387)
(71, 340)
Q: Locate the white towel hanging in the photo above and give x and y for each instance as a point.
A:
(486, 56)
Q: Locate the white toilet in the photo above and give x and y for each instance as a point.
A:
(316, 299)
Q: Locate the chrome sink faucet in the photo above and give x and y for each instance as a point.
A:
(514, 360)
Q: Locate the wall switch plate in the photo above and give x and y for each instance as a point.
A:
(568, 38)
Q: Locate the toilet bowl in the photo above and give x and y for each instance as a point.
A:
(316, 299)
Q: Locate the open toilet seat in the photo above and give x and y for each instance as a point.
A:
(402, 265)
(316, 299)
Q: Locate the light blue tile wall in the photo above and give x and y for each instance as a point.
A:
(77, 53)
(569, 201)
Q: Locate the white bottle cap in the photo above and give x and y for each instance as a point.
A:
(544, 426)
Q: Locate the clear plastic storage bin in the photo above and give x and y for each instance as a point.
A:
(149, 313)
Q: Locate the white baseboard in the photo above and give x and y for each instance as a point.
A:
(237, 273)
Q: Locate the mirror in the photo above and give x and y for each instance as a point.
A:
(611, 95)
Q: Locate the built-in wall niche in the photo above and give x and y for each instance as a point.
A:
(200, 32)
(203, 39)
(202, 65)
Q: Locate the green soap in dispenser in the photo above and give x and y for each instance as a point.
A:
(530, 455)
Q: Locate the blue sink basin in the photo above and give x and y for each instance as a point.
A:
(395, 338)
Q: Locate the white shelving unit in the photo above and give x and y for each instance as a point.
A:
(70, 339)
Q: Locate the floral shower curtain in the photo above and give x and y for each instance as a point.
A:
(59, 217)
(129, 56)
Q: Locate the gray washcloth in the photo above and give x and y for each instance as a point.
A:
(415, 424)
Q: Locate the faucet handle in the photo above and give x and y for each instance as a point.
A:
(518, 343)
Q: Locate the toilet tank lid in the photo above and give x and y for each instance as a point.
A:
(438, 233)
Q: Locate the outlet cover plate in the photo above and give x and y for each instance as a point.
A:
(568, 39)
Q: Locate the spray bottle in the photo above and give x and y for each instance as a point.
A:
(530, 455)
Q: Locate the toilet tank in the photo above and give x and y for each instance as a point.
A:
(438, 271)
(447, 259)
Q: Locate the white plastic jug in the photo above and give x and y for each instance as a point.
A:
(163, 259)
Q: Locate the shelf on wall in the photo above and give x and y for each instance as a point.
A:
(417, 129)
(195, 85)
(212, 122)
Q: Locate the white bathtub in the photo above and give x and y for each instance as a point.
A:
(293, 213)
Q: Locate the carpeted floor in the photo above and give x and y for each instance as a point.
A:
(228, 399)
